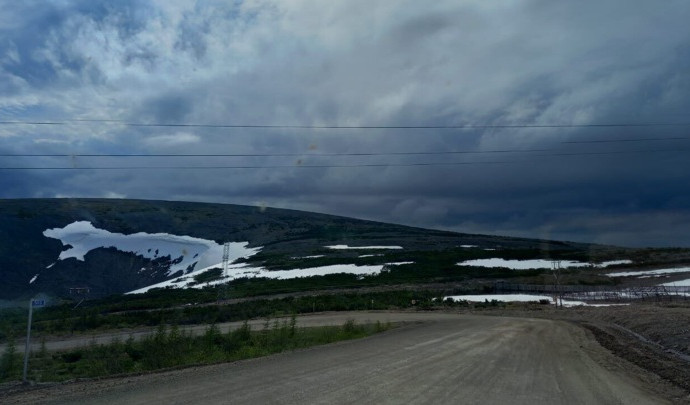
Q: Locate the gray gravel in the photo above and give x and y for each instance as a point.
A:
(448, 358)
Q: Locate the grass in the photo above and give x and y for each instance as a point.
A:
(107, 315)
(173, 347)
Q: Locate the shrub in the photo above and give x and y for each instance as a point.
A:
(349, 327)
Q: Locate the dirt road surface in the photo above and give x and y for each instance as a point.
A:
(460, 359)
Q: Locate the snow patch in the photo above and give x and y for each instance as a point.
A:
(520, 264)
(680, 283)
(345, 247)
(242, 271)
(499, 297)
(521, 298)
(649, 273)
(184, 252)
(322, 271)
(613, 263)
(535, 263)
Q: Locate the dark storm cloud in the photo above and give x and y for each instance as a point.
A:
(168, 108)
(364, 63)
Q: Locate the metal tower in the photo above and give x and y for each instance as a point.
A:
(226, 260)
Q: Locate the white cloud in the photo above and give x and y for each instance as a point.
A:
(354, 62)
(180, 138)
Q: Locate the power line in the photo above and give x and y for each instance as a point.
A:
(326, 166)
(252, 167)
(670, 138)
(332, 154)
(616, 152)
(282, 126)
(267, 154)
(554, 152)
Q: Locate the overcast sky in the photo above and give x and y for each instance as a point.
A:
(484, 64)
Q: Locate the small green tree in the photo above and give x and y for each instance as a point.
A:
(349, 327)
(243, 334)
(213, 337)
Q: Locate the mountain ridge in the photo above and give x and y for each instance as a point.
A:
(25, 251)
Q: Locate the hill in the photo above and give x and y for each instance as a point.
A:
(113, 246)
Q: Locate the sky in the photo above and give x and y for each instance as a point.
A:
(557, 120)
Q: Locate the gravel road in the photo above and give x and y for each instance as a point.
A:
(448, 358)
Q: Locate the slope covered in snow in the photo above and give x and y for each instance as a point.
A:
(679, 283)
(243, 271)
(536, 263)
(524, 298)
(183, 252)
(347, 247)
(650, 273)
(109, 242)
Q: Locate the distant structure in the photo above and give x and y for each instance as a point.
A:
(226, 263)
(226, 258)
(79, 293)
(79, 290)
(556, 269)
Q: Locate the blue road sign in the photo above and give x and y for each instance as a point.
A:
(38, 303)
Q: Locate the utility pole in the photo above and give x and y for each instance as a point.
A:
(32, 303)
(556, 269)
(226, 259)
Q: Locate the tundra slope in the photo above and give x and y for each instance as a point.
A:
(25, 251)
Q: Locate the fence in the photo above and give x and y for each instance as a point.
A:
(600, 293)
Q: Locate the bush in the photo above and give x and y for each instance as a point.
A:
(349, 327)
(72, 356)
(170, 347)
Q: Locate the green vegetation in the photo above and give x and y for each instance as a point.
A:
(179, 305)
(65, 319)
(422, 258)
(209, 275)
(173, 347)
(286, 239)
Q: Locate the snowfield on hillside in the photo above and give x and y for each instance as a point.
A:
(522, 298)
(650, 273)
(679, 283)
(499, 297)
(346, 247)
(185, 252)
(536, 263)
(520, 264)
(613, 263)
(307, 257)
(241, 271)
